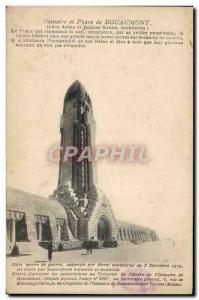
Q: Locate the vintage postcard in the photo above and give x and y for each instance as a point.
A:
(99, 150)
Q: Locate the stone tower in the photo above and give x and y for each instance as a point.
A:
(77, 129)
(87, 208)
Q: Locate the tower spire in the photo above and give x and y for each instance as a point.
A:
(77, 129)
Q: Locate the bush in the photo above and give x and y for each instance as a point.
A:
(60, 247)
(90, 245)
(15, 251)
(110, 244)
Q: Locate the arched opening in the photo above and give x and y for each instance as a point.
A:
(16, 226)
(104, 229)
(21, 230)
(43, 228)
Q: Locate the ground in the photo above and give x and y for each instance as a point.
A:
(159, 251)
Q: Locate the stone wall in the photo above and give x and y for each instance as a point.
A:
(80, 228)
(102, 208)
(135, 234)
(31, 206)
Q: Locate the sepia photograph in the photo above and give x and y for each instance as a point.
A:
(99, 196)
